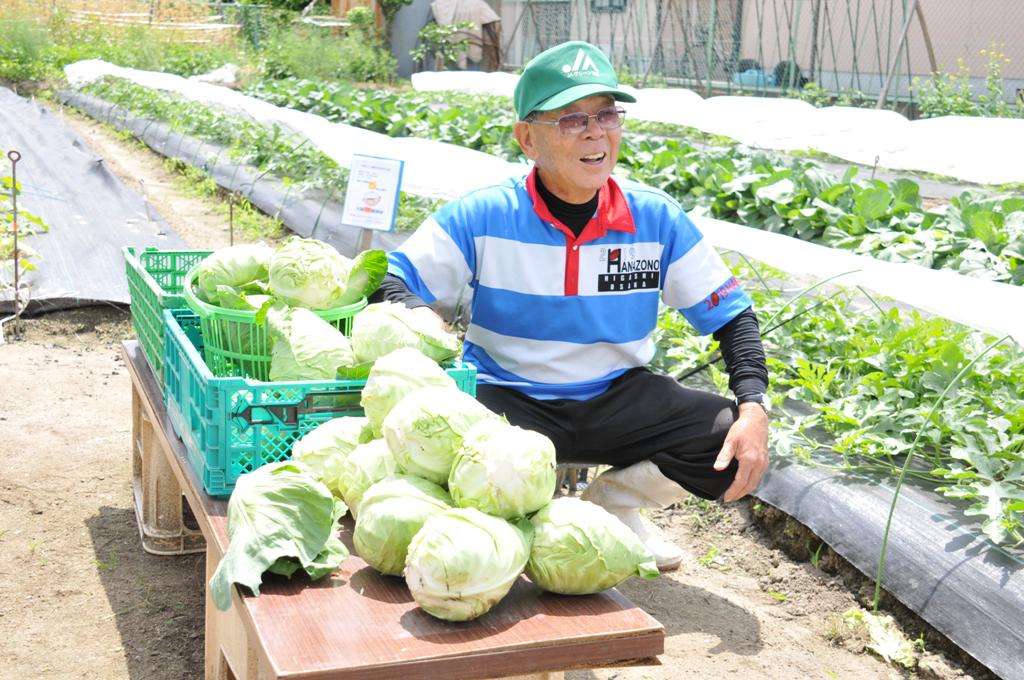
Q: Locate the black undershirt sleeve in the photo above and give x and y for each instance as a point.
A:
(393, 289)
(740, 344)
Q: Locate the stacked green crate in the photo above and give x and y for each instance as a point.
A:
(156, 279)
(233, 425)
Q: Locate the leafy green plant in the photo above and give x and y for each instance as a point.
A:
(819, 97)
(389, 8)
(578, 550)
(812, 93)
(816, 555)
(24, 49)
(36, 50)
(364, 51)
(710, 558)
(285, 156)
(884, 384)
(952, 94)
(28, 225)
(883, 637)
(628, 76)
(975, 235)
(307, 52)
(852, 97)
(292, 5)
(443, 43)
(281, 519)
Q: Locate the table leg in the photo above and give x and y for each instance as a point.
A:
(159, 504)
(228, 654)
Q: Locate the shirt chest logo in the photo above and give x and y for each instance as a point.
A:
(626, 269)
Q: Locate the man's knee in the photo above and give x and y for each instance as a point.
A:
(724, 419)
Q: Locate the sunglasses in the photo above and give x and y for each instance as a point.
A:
(575, 123)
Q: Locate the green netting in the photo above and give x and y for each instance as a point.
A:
(771, 46)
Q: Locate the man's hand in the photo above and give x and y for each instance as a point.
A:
(429, 317)
(747, 442)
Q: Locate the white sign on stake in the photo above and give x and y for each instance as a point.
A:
(371, 200)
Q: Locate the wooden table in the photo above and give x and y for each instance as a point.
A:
(357, 624)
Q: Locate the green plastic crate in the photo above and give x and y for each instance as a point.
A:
(235, 345)
(155, 281)
(232, 425)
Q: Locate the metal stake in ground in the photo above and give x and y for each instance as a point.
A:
(14, 157)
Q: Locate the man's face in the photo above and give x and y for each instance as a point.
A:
(573, 167)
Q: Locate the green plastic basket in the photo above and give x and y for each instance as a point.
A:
(231, 426)
(235, 345)
(155, 280)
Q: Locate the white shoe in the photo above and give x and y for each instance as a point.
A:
(667, 554)
(624, 491)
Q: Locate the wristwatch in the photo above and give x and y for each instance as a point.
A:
(761, 400)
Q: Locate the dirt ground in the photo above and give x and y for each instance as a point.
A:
(81, 599)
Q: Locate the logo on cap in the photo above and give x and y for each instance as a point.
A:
(583, 64)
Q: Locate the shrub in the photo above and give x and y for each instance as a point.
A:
(441, 45)
(309, 53)
(25, 50)
(952, 94)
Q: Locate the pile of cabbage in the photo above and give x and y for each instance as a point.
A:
(301, 272)
(290, 288)
(450, 496)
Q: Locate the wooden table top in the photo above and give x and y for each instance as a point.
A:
(358, 623)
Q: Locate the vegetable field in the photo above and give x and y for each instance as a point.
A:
(870, 371)
(865, 388)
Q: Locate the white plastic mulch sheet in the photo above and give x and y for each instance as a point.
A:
(445, 170)
(433, 169)
(974, 302)
(982, 150)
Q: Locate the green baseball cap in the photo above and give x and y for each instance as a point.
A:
(564, 73)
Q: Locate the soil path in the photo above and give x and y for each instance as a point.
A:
(81, 599)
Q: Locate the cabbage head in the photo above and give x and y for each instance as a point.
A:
(383, 327)
(365, 275)
(365, 466)
(231, 273)
(580, 548)
(395, 375)
(325, 448)
(503, 470)
(305, 347)
(391, 512)
(462, 562)
(305, 272)
(425, 429)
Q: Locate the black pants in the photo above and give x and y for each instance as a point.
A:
(642, 416)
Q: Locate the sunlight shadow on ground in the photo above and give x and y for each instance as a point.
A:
(689, 610)
(156, 601)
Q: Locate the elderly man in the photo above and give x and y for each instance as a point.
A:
(566, 266)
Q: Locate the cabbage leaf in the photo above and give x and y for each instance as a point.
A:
(279, 510)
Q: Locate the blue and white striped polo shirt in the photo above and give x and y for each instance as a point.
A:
(558, 316)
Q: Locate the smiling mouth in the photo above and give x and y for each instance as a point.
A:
(594, 158)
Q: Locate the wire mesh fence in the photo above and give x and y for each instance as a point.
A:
(870, 48)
